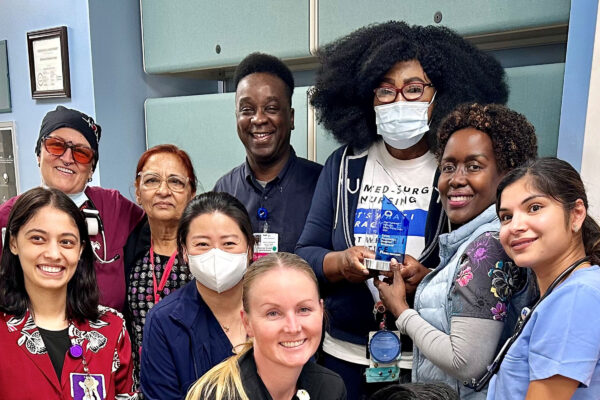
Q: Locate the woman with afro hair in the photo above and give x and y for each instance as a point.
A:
(382, 92)
(462, 308)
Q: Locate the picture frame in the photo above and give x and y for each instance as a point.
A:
(5, 104)
(49, 73)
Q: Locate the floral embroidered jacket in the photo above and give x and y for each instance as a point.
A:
(26, 371)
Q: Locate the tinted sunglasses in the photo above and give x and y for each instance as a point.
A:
(57, 147)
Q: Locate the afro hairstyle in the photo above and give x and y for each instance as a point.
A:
(513, 137)
(260, 62)
(351, 67)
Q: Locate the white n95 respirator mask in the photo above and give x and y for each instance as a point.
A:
(218, 270)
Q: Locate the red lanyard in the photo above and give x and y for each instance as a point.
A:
(166, 273)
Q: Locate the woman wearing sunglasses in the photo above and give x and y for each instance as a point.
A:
(555, 354)
(165, 182)
(382, 92)
(67, 154)
(462, 307)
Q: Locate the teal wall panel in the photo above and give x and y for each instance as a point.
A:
(182, 35)
(326, 144)
(205, 127)
(535, 91)
(468, 17)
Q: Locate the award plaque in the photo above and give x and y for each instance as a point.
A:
(390, 227)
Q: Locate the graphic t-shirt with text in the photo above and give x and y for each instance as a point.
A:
(408, 185)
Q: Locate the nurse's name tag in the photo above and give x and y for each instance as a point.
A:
(264, 244)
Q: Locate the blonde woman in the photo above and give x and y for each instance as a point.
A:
(283, 315)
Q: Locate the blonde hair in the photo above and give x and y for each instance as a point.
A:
(223, 381)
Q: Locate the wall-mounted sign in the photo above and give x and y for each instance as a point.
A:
(4, 81)
(49, 63)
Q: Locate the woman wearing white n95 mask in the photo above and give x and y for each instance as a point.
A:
(197, 327)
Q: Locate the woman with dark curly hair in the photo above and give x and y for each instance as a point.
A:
(462, 307)
(382, 92)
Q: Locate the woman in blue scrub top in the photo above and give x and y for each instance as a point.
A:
(545, 226)
(192, 330)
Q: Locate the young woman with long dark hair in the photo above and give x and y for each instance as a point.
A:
(56, 341)
(555, 353)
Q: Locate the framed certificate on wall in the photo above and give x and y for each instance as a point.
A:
(49, 63)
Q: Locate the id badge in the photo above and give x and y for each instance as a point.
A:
(384, 350)
(264, 244)
(87, 387)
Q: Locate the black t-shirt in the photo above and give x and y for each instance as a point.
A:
(57, 343)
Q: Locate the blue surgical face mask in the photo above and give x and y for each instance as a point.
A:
(402, 124)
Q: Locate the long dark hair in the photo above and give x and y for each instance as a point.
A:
(559, 180)
(211, 202)
(82, 290)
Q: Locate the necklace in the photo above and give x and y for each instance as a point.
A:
(225, 328)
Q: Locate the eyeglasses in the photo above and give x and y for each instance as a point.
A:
(57, 147)
(412, 91)
(152, 181)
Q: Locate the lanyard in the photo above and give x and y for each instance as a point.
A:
(166, 273)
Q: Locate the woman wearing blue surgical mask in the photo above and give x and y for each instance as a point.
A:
(197, 327)
(382, 92)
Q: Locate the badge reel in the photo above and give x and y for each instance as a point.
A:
(390, 228)
(384, 351)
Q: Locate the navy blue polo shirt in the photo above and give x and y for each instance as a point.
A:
(286, 198)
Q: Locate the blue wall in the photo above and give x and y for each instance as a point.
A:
(121, 87)
(16, 19)
(107, 80)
